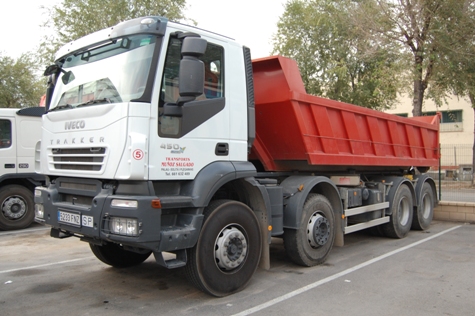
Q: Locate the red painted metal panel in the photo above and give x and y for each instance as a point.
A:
(297, 131)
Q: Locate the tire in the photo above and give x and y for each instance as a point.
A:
(115, 255)
(228, 249)
(425, 212)
(401, 216)
(17, 208)
(310, 244)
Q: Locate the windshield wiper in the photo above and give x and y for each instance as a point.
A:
(62, 107)
(91, 102)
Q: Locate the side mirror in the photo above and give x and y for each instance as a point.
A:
(67, 77)
(193, 46)
(54, 69)
(192, 70)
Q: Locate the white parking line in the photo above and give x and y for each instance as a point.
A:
(23, 231)
(338, 275)
(46, 265)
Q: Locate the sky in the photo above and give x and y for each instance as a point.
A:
(250, 22)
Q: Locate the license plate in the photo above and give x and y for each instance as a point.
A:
(69, 218)
(87, 221)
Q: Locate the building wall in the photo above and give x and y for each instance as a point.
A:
(456, 133)
(450, 132)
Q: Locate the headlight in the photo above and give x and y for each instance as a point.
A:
(123, 226)
(39, 211)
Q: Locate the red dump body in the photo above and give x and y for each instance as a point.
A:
(297, 131)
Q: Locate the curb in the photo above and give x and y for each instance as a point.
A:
(455, 212)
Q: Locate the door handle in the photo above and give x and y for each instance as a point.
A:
(222, 149)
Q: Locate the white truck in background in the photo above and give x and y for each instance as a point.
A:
(20, 130)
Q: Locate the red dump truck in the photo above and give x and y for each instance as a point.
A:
(199, 155)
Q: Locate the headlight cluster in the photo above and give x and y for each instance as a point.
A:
(123, 226)
(39, 211)
(39, 208)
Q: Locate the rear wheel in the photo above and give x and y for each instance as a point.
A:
(311, 243)
(228, 250)
(423, 217)
(115, 255)
(17, 209)
(401, 214)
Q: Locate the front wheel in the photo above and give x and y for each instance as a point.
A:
(115, 255)
(17, 209)
(311, 243)
(228, 250)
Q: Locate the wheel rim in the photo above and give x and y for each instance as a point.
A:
(231, 248)
(426, 205)
(14, 207)
(404, 211)
(318, 230)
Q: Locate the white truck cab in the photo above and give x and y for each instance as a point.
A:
(146, 122)
(20, 130)
(108, 112)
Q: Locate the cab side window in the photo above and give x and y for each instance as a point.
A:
(5, 133)
(213, 78)
(213, 60)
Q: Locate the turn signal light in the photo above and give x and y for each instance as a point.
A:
(156, 204)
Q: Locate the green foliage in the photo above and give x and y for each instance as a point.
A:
(425, 31)
(455, 72)
(367, 51)
(334, 60)
(19, 85)
(73, 19)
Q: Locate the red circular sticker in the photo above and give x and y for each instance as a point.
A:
(138, 154)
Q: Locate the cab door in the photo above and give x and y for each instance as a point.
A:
(184, 144)
(8, 163)
(27, 134)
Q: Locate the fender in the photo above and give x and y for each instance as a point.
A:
(34, 178)
(396, 183)
(293, 205)
(214, 176)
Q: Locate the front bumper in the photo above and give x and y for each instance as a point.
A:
(84, 208)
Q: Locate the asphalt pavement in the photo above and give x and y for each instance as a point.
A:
(426, 273)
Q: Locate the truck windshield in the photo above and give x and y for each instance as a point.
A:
(116, 71)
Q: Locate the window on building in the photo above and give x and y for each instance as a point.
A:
(451, 121)
(5, 133)
(401, 114)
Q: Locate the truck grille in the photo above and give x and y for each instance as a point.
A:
(90, 159)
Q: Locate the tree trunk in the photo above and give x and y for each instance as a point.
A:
(418, 87)
(418, 97)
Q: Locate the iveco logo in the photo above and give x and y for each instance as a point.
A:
(74, 125)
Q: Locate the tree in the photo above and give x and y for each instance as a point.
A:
(20, 86)
(456, 71)
(73, 19)
(418, 27)
(334, 60)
